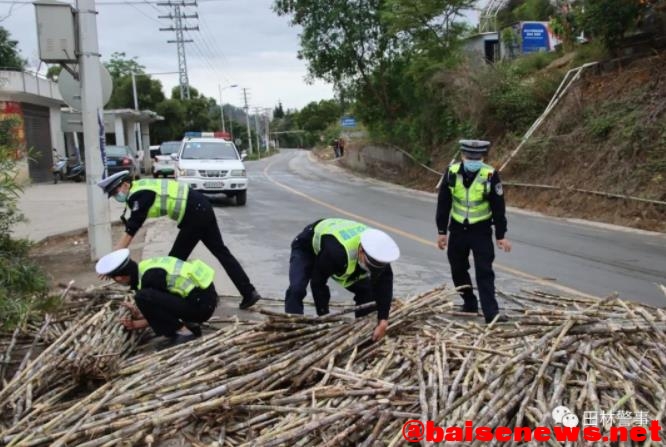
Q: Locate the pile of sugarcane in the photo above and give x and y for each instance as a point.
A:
(82, 343)
(321, 381)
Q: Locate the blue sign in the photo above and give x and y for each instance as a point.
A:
(535, 37)
(348, 121)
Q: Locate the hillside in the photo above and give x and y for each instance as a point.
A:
(607, 134)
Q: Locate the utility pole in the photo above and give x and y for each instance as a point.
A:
(256, 130)
(137, 126)
(219, 88)
(178, 26)
(99, 226)
(268, 134)
(247, 120)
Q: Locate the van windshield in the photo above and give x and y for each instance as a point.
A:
(170, 147)
(209, 151)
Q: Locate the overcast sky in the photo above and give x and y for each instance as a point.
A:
(239, 42)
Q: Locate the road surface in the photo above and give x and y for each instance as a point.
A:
(291, 189)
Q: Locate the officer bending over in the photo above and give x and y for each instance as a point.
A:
(355, 256)
(190, 209)
(171, 295)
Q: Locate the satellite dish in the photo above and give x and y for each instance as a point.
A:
(70, 88)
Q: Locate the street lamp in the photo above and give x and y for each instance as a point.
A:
(220, 88)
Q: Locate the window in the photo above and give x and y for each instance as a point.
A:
(209, 151)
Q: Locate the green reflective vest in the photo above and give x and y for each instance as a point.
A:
(348, 233)
(471, 203)
(170, 197)
(181, 276)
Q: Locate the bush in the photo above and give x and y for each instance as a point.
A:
(22, 284)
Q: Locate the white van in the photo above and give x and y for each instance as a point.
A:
(212, 166)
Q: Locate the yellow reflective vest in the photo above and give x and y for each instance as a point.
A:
(348, 233)
(181, 276)
(471, 203)
(170, 197)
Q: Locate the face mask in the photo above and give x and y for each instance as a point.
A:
(363, 266)
(121, 197)
(472, 165)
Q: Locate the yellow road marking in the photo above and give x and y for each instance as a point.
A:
(416, 238)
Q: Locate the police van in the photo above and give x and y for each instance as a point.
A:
(212, 165)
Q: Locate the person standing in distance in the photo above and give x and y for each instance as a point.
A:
(190, 209)
(355, 256)
(471, 197)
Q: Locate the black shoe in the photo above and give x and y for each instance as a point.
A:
(194, 328)
(177, 339)
(250, 301)
(470, 310)
(501, 318)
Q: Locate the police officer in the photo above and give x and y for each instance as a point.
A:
(171, 295)
(471, 194)
(355, 256)
(194, 214)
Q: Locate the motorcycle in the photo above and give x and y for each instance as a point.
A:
(62, 169)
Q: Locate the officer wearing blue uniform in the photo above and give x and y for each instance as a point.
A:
(192, 211)
(171, 295)
(470, 202)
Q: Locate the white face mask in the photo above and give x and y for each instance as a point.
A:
(363, 266)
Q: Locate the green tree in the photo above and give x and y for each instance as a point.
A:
(9, 53)
(53, 72)
(148, 90)
(317, 116)
(609, 20)
(120, 66)
(278, 112)
(172, 127)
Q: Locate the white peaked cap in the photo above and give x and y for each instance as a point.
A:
(113, 261)
(379, 246)
(113, 181)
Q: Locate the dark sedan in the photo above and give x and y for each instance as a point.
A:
(119, 158)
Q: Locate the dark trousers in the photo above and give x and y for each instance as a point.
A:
(480, 243)
(301, 263)
(200, 224)
(166, 312)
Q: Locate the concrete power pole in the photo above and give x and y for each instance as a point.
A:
(99, 226)
(178, 26)
(247, 120)
(137, 126)
(256, 129)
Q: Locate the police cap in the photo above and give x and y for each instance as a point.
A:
(380, 248)
(474, 148)
(113, 263)
(110, 183)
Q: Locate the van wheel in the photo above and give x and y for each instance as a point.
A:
(241, 198)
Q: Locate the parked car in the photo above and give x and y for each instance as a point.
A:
(163, 164)
(120, 158)
(212, 166)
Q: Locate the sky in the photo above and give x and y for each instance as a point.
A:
(240, 42)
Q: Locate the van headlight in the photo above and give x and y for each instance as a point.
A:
(187, 172)
(238, 173)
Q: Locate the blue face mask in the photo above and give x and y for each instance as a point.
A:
(121, 197)
(472, 165)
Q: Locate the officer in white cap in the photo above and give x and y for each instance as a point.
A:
(190, 209)
(470, 202)
(171, 295)
(355, 256)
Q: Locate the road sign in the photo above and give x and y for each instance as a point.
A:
(70, 88)
(348, 121)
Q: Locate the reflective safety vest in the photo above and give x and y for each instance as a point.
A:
(471, 203)
(181, 276)
(348, 233)
(170, 197)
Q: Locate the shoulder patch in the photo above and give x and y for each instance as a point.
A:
(135, 205)
(499, 190)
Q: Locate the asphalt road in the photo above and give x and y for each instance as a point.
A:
(290, 190)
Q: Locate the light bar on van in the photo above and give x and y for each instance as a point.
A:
(224, 135)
